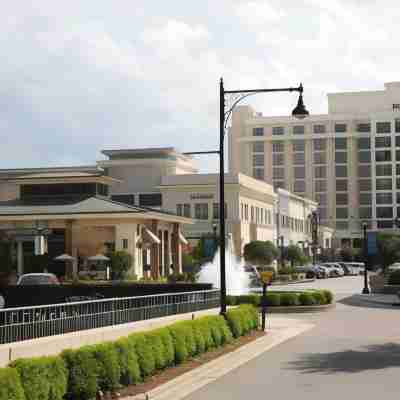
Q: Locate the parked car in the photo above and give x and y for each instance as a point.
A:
(393, 267)
(348, 268)
(38, 279)
(335, 270)
(310, 272)
(359, 266)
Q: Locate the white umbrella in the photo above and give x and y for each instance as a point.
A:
(98, 257)
(65, 257)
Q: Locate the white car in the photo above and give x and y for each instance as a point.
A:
(38, 279)
(334, 269)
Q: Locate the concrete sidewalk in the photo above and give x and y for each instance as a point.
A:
(378, 298)
(280, 329)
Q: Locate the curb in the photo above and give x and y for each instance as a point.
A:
(292, 283)
(300, 309)
(183, 385)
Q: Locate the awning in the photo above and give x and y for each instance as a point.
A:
(153, 238)
(182, 238)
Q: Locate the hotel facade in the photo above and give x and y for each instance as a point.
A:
(348, 160)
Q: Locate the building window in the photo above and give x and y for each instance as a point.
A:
(365, 199)
(179, 209)
(342, 225)
(258, 147)
(383, 155)
(384, 184)
(341, 199)
(246, 212)
(365, 212)
(298, 159)
(364, 143)
(258, 173)
(384, 198)
(252, 214)
(364, 157)
(319, 128)
(397, 125)
(187, 212)
(341, 157)
(279, 184)
(383, 127)
(299, 186)
(364, 171)
(341, 185)
(342, 213)
(321, 199)
(215, 210)
(340, 128)
(298, 130)
(258, 131)
(299, 172)
(397, 169)
(278, 147)
(397, 141)
(385, 224)
(384, 170)
(341, 171)
(320, 186)
(124, 198)
(124, 243)
(201, 211)
(383, 141)
(150, 200)
(364, 185)
(340, 143)
(258, 160)
(278, 159)
(397, 155)
(278, 130)
(319, 157)
(278, 173)
(384, 212)
(320, 172)
(363, 127)
(319, 144)
(298, 145)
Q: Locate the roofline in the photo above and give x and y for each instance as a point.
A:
(52, 178)
(51, 169)
(144, 150)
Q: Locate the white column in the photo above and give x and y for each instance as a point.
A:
(162, 263)
(128, 232)
(20, 258)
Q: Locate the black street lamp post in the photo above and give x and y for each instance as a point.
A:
(234, 97)
(365, 250)
(282, 250)
(314, 222)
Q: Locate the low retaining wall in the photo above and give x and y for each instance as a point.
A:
(299, 309)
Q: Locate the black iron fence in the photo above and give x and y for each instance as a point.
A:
(22, 323)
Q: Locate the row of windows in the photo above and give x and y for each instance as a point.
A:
(295, 224)
(257, 215)
(381, 127)
(201, 210)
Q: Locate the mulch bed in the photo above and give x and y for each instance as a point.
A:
(173, 372)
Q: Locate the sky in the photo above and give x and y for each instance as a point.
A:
(79, 76)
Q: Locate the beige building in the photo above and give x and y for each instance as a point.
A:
(348, 160)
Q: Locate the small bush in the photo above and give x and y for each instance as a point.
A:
(328, 296)
(158, 349)
(216, 333)
(178, 335)
(10, 385)
(168, 343)
(231, 300)
(242, 319)
(198, 337)
(318, 297)
(306, 299)
(223, 326)
(235, 322)
(289, 299)
(248, 299)
(108, 367)
(42, 378)
(144, 352)
(206, 332)
(82, 378)
(295, 277)
(273, 299)
(128, 361)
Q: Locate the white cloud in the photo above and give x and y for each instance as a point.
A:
(258, 13)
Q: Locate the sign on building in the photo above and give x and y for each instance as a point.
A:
(372, 243)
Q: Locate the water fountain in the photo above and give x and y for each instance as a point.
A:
(237, 279)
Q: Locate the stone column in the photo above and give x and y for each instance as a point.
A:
(20, 258)
(72, 248)
(155, 258)
(161, 252)
(176, 250)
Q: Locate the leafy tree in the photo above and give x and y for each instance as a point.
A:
(389, 248)
(260, 253)
(295, 255)
(121, 261)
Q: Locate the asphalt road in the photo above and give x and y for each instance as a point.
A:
(352, 352)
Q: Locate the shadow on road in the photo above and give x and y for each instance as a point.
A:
(372, 358)
(355, 301)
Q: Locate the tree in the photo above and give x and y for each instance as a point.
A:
(260, 253)
(295, 255)
(121, 261)
(388, 248)
(347, 254)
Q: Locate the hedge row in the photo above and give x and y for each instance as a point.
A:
(308, 298)
(80, 374)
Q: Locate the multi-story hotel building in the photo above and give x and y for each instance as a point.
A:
(348, 160)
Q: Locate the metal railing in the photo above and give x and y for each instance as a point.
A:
(22, 323)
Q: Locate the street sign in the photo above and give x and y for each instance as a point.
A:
(372, 244)
(266, 276)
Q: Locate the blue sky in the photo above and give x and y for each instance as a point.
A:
(80, 76)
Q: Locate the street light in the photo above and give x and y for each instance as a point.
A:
(314, 221)
(366, 288)
(282, 249)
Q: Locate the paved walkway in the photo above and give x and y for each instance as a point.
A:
(352, 352)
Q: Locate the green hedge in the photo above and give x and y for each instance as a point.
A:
(306, 299)
(394, 278)
(80, 374)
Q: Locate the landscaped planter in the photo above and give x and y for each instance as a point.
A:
(299, 309)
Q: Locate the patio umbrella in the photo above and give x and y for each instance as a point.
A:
(98, 257)
(65, 257)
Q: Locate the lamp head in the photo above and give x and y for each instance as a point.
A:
(300, 111)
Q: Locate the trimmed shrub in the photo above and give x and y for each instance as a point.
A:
(249, 299)
(289, 299)
(273, 299)
(42, 378)
(235, 322)
(231, 300)
(128, 362)
(10, 385)
(328, 296)
(82, 378)
(216, 333)
(198, 337)
(242, 319)
(206, 331)
(158, 349)
(178, 335)
(144, 352)
(306, 299)
(226, 333)
(108, 367)
(394, 278)
(318, 297)
(168, 343)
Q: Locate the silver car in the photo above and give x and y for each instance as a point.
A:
(38, 279)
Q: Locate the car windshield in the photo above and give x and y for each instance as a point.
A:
(38, 280)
